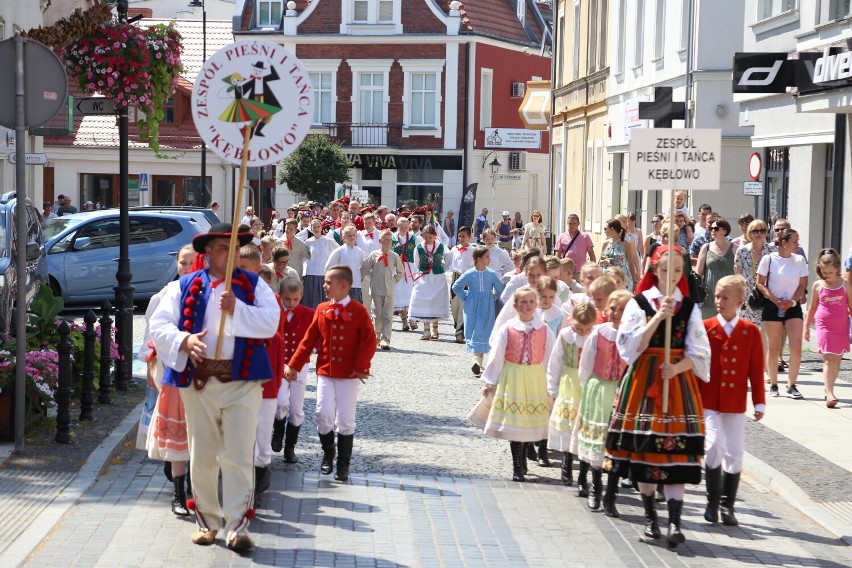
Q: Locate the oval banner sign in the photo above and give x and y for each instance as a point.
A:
(257, 85)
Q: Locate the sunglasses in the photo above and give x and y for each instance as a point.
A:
(759, 232)
(715, 228)
(826, 251)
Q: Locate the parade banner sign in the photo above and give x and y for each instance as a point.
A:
(669, 158)
(254, 85)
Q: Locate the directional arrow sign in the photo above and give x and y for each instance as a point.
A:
(94, 105)
(30, 159)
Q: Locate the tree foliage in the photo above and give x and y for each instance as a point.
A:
(314, 167)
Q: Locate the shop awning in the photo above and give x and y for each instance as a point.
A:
(535, 108)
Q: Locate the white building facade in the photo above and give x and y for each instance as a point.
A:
(648, 48)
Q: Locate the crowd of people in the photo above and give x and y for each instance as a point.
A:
(569, 345)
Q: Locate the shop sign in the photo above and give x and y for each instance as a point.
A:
(404, 162)
(763, 72)
(515, 138)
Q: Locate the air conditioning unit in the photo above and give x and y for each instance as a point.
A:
(518, 90)
(517, 161)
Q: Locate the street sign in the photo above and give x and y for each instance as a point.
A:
(755, 166)
(29, 160)
(512, 177)
(143, 182)
(94, 105)
(674, 158)
(45, 83)
(753, 188)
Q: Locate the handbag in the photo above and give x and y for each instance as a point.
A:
(756, 300)
(697, 288)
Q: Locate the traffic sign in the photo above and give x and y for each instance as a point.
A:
(45, 83)
(30, 159)
(94, 105)
(675, 158)
(755, 166)
(753, 188)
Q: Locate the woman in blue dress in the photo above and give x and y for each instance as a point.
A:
(477, 288)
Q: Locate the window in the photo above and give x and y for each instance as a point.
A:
(419, 185)
(521, 9)
(145, 230)
(485, 94)
(372, 11)
(2, 29)
(684, 24)
(424, 95)
(322, 97)
(660, 30)
(560, 52)
(371, 91)
(370, 79)
(833, 10)
(169, 111)
(769, 8)
(269, 13)
(639, 40)
(575, 57)
(593, 37)
(622, 44)
(103, 234)
(602, 62)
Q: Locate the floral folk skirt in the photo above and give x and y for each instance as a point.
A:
(593, 416)
(563, 418)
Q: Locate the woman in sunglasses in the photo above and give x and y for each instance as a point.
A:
(715, 261)
(746, 261)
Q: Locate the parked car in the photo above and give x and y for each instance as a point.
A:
(206, 217)
(82, 253)
(36, 262)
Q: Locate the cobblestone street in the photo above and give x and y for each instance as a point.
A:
(427, 489)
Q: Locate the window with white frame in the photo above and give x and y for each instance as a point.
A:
(422, 94)
(622, 43)
(603, 34)
(373, 11)
(684, 24)
(830, 10)
(370, 79)
(660, 30)
(593, 37)
(269, 12)
(575, 58)
(322, 97)
(486, 78)
(769, 8)
(521, 9)
(639, 40)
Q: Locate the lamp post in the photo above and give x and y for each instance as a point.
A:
(200, 4)
(495, 167)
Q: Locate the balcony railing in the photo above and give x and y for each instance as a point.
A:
(372, 135)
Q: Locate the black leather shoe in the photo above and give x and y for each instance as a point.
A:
(567, 469)
(609, 496)
(278, 427)
(517, 449)
(290, 443)
(730, 485)
(674, 536)
(327, 441)
(594, 498)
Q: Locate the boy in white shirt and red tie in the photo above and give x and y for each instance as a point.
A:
(460, 260)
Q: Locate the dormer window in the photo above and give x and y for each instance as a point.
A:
(269, 13)
(371, 17)
(521, 9)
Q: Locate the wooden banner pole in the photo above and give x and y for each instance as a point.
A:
(667, 351)
(235, 223)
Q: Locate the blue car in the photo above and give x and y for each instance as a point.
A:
(82, 253)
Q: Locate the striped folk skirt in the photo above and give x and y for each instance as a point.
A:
(656, 447)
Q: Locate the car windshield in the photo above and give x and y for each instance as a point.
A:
(55, 226)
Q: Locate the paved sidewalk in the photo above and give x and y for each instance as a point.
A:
(428, 489)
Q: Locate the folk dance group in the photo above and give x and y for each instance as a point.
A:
(588, 380)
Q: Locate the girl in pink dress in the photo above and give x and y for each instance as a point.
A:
(830, 306)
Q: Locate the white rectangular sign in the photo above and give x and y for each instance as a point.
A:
(512, 138)
(510, 177)
(675, 158)
(753, 188)
(29, 159)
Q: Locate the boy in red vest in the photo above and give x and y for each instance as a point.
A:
(345, 340)
(736, 362)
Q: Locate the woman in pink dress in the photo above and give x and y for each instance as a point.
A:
(830, 307)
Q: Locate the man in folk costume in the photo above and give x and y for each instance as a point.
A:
(257, 89)
(222, 397)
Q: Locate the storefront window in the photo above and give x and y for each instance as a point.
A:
(777, 183)
(421, 186)
(97, 188)
(194, 194)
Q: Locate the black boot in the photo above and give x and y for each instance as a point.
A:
(530, 449)
(344, 456)
(517, 449)
(652, 528)
(543, 460)
(167, 470)
(278, 427)
(713, 480)
(327, 441)
(730, 484)
(609, 496)
(567, 471)
(674, 536)
(594, 499)
(179, 497)
(290, 443)
(661, 493)
(525, 455)
(188, 480)
(262, 478)
(582, 479)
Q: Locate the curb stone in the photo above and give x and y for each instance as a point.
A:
(51, 516)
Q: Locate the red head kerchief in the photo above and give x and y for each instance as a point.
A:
(649, 279)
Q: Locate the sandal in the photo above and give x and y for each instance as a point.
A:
(830, 402)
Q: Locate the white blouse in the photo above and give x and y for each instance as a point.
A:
(633, 321)
(554, 365)
(497, 355)
(321, 248)
(590, 349)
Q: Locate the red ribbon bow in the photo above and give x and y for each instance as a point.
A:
(279, 275)
(462, 249)
(369, 236)
(338, 311)
(384, 258)
(289, 244)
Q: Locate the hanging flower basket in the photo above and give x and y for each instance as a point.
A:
(131, 65)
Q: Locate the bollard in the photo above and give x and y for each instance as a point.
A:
(106, 356)
(63, 393)
(124, 340)
(87, 396)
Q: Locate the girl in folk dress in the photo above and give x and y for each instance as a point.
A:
(563, 384)
(600, 371)
(515, 375)
(831, 306)
(477, 288)
(320, 247)
(404, 245)
(430, 298)
(167, 438)
(657, 447)
(553, 316)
